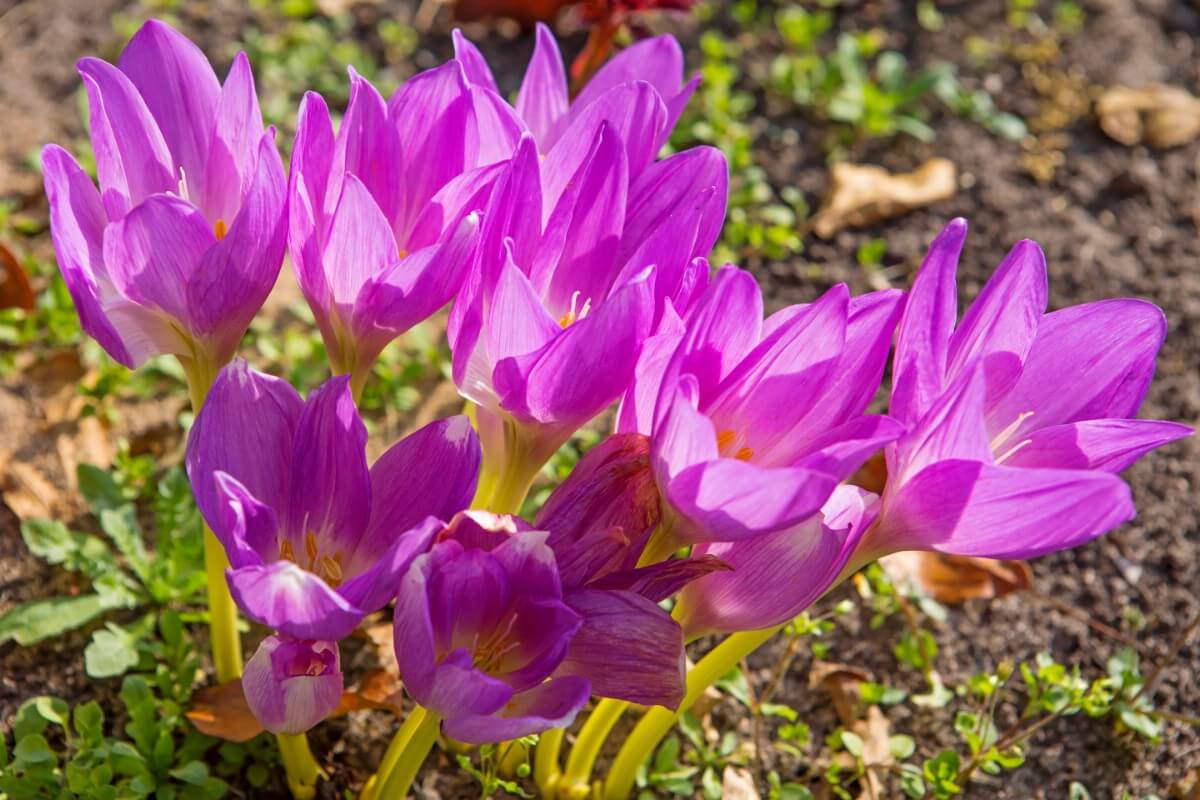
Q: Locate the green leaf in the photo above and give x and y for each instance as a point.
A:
(56, 544)
(32, 622)
(668, 754)
(34, 749)
(121, 525)
(853, 743)
(89, 721)
(112, 652)
(901, 746)
(194, 772)
(99, 487)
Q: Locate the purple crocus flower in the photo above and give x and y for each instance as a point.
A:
(642, 85)
(480, 627)
(599, 520)
(383, 223)
(1019, 420)
(546, 331)
(755, 422)
(315, 539)
(290, 684)
(182, 242)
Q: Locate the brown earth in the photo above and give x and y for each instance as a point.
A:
(1113, 220)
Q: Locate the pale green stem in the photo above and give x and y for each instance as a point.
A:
(302, 770)
(392, 757)
(576, 783)
(546, 771)
(658, 721)
(395, 785)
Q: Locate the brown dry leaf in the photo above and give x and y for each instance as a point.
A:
(862, 194)
(15, 291)
(841, 681)
(30, 494)
(956, 579)
(1187, 787)
(221, 711)
(1160, 116)
(738, 784)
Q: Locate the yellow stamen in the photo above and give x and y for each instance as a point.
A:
(1004, 435)
(310, 547)
(403, 254)
(220, 229)
(725, 442)
(575, 314)
(286, 553)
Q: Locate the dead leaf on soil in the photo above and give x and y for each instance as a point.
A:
(738, 784)
(1187, 787)
(956, 579)
(1160, 116)
(842, 682)
(15, 291)
(28, 492)
(863, 194)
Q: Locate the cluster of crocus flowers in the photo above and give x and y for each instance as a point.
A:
(575, 264)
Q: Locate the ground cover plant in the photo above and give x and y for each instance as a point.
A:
(606, 573)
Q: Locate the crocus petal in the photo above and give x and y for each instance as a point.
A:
(641, 398)
(842, 450)
(465, 194)
(236, 133)
(132, 159)
(552, 704)
(683, 436)
(245, 428)
(542, 631)
(329, 494)
(923, 341)
(493, 131)
(152, 253)
(474, 65)
(658, 59)
(675, 107)
(628, 648)
(246, 528)
(953, 427)
(542, 101)
(776, 576)
(77, 221)
(1111, 445)
(1000, 325)
(237, 274)
(458, 689)
(973, 509)
(368, 148)
(294, 602)
(588, 366)
(659, 581)
(666, 185)
(307, 223)
(728, 499)
(292, 685)
(1104, 352)
(519, 323)
(360, 244)
(412, 630)
(374, 586)
(181, 91)
(429, 473)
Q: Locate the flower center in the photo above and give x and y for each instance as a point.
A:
(220, 229)
(574, 314)
(731, 444)
(327, 568)
(309, 665)
(488, 655)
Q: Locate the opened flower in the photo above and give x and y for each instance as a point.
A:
(1019, 420)
(480, 627)
(545, 333)
(377, 244)
(182, 242)
(291, 684)
(315, 539)
(755, 422)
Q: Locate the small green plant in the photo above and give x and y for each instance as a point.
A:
(488, 771)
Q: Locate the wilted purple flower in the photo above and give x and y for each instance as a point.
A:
(480, 627)
(290, 684)
(599, 520)
(183, 241)
(315, 539)
(1019, 420)
(640, 89)
(546, 331)
(382, 224)
(754, 423)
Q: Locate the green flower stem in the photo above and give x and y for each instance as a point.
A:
(658, 721)
(576, 782)
(302, 770)
(395, 784)
(546, 770)
(394, 752)
(222, 613)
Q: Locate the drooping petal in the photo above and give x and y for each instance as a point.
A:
(376, 574)
(232, 150)
(542, 101)
(294, 602)
(180, 90)
(552, 704)
(291, 685)
(246, 429)
(1111, 445)
(1103, 351)
(459, 689)
(474, 65)
(77, 221)
(329, 495)
(659, 581)
(628, 648)
(923, 340)
(246, 528)
(973, 509)
(1000, 326)
(153, 252)
(429, 473)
